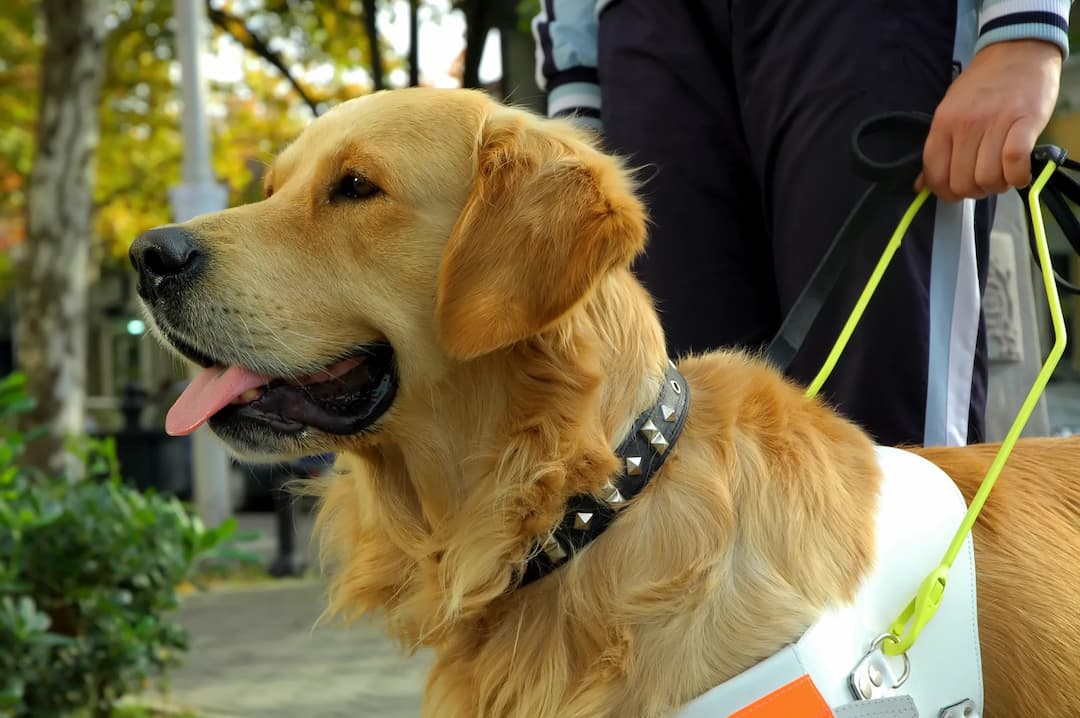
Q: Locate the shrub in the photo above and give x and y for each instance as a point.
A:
(88, 574)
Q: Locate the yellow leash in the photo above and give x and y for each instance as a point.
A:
(867, 292)
(909, 624)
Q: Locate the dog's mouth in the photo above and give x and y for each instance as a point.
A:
(345, 397)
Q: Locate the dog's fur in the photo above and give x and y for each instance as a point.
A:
(496, 262)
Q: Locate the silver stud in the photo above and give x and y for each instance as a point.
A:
(668, 412)
(582, 519)
(612, 495)
(553, 550)
(649, 430)
(633, 466)
(660, 443)
(675, 387)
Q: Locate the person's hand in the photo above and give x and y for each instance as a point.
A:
(985, 128)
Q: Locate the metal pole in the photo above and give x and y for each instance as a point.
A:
(199, 194)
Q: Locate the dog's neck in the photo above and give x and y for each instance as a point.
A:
(538, 425)
(603, 364)
(628, 349)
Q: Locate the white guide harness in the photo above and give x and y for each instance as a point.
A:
(918, 512)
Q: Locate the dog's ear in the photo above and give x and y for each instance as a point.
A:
(548, 216)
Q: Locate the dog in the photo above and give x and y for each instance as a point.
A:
(437, 288)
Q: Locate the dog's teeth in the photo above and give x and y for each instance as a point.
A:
(249, 396)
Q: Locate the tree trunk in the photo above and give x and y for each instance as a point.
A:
(371, 28)
(477, 24)
(414, 43)
(52, 291)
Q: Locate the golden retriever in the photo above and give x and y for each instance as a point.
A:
(437, 287)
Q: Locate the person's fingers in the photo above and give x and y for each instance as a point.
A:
(937, 153)
(967, 135)
(920, 183)
(1016, 151)
(989, 172)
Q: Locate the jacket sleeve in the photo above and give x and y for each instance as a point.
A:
(1001, 20)
(565, 35)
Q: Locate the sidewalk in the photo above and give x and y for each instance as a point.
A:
(256, 653)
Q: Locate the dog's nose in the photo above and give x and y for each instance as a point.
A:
(165, 257)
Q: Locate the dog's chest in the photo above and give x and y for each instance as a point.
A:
(918, 512)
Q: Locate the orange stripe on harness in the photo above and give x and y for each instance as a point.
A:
(798, 699)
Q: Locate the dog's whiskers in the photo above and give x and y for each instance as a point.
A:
(517, 633)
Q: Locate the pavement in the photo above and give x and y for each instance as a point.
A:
(256, 652)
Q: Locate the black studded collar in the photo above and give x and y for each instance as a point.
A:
(642, 453)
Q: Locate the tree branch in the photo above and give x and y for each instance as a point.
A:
(238, 29)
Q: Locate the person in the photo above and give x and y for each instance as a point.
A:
(740, 115)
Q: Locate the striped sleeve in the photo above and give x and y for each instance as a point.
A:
(565, 35)
(1001, 20)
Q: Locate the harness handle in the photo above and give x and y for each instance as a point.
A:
(887, 150)
(921, 609)
(909, 624)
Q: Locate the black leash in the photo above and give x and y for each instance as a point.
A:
(1059, 192)
(887, 150)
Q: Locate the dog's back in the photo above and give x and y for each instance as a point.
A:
(1027, 546)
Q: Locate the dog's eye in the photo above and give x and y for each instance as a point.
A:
(355, 187)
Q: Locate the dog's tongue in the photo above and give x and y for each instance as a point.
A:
(207, 394)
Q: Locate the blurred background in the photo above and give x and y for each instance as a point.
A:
(264, 70)
(116, 116)
(125, 553)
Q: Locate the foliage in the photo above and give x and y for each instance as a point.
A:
(254, 108)
(88, 574)
(526, 11)
(18, 79)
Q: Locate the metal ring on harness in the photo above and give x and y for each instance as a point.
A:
(906, 673)
(867, 679)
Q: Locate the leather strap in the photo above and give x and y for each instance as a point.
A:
(1059, 192)
(650, 441)
(887, 150)
(895, 707)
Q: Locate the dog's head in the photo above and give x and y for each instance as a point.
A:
(402, 234)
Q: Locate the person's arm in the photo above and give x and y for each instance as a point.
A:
(565, 34)
(986, 126)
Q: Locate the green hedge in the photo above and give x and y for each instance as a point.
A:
(88, 576)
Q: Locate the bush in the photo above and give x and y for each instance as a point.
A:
(88, 572)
